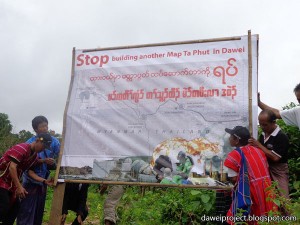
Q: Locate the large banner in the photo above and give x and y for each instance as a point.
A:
(157, 113)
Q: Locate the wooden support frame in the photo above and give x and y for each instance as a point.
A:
(56, 209)
(57, 202)
(65, 117)
(136, 46)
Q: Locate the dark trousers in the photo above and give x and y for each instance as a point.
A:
(9, 207)
(85, 214)
(32, 207)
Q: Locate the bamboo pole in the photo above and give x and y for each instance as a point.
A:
(149, 184)
(164, 43)
(257, 50)
(250, 82)
(57, 202)
(65, 118)
(59, 190)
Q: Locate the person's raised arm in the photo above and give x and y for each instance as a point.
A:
(264, 106)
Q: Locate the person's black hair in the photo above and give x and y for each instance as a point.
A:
(271, 115)
(38, 120)
(297, 88)
(243, 142)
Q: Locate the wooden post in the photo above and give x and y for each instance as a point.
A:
(57, 202)
(250, 81)
(65, 118)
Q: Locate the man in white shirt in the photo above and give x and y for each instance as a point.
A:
(289, 116)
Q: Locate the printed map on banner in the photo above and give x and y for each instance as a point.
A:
(134, 112)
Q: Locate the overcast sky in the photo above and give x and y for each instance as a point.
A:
(37, 37)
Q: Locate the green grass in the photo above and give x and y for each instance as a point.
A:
(168, 206)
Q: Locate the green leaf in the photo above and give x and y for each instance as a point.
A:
(205, 198)
(296, 184)
(277, 202)
(195, 204)
(195, 192)
(208, 207)
(184, 219)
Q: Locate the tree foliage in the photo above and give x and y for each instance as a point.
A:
(294, 153)
(7, 138)
(5, 125)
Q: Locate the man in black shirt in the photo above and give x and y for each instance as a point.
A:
(274, 143)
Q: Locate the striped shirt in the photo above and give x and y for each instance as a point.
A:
(20, 154)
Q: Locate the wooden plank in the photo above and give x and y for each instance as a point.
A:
(57, 202)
